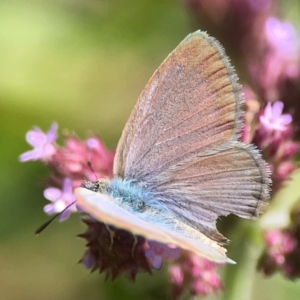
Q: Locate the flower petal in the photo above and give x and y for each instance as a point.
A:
(67, 186)
(268, 111)
(52, 194)
(286, 119)
(52, 133)
(157, 262)
(35, 138)
(30, 155)
(277, 110)
(49, 209)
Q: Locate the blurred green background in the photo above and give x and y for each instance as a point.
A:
(82, 64)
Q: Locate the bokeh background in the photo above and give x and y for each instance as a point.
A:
(84, 64)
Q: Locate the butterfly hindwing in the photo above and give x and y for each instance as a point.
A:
(231, 181)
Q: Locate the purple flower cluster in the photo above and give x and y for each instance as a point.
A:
(274, 136)
(68, 164)
(267, 51)
(114, 251)
(281, 61)
(282, 253)
(157, 252)
(195, 273)
(110, 250)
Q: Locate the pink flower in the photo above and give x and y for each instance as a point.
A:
(274, 135)
(273, 119)
(205, 278)
(196, 274)
(282, 37)
(69, 165)
(279, 242)
(282, 60)
(157, 252)
(60, 200)
(72, 160)
(284, 170)
(176, 275)
(42, 143)
(281, 253)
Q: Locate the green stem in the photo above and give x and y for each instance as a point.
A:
(238, 279)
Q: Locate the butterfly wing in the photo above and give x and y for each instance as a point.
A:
(231, 181)
(190, 106)
(103, 208)
(181, 144)
(181, 140)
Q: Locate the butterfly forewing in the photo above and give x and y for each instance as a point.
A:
(190, 106)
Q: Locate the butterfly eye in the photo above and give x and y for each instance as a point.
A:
(140, 204)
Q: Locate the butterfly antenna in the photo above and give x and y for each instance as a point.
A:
(46, 224)
(91, 168)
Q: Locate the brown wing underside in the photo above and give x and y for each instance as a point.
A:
(181, 139)
(232, 181)
(190, 106)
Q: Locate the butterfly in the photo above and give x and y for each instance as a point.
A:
(179, 164)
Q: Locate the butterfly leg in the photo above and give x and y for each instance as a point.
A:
(112, 235)
(135, 241)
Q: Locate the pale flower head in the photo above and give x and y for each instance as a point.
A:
(60, 199)
(273, 119)
(42, 143)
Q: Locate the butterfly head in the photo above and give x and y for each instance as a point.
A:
(99, 186)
